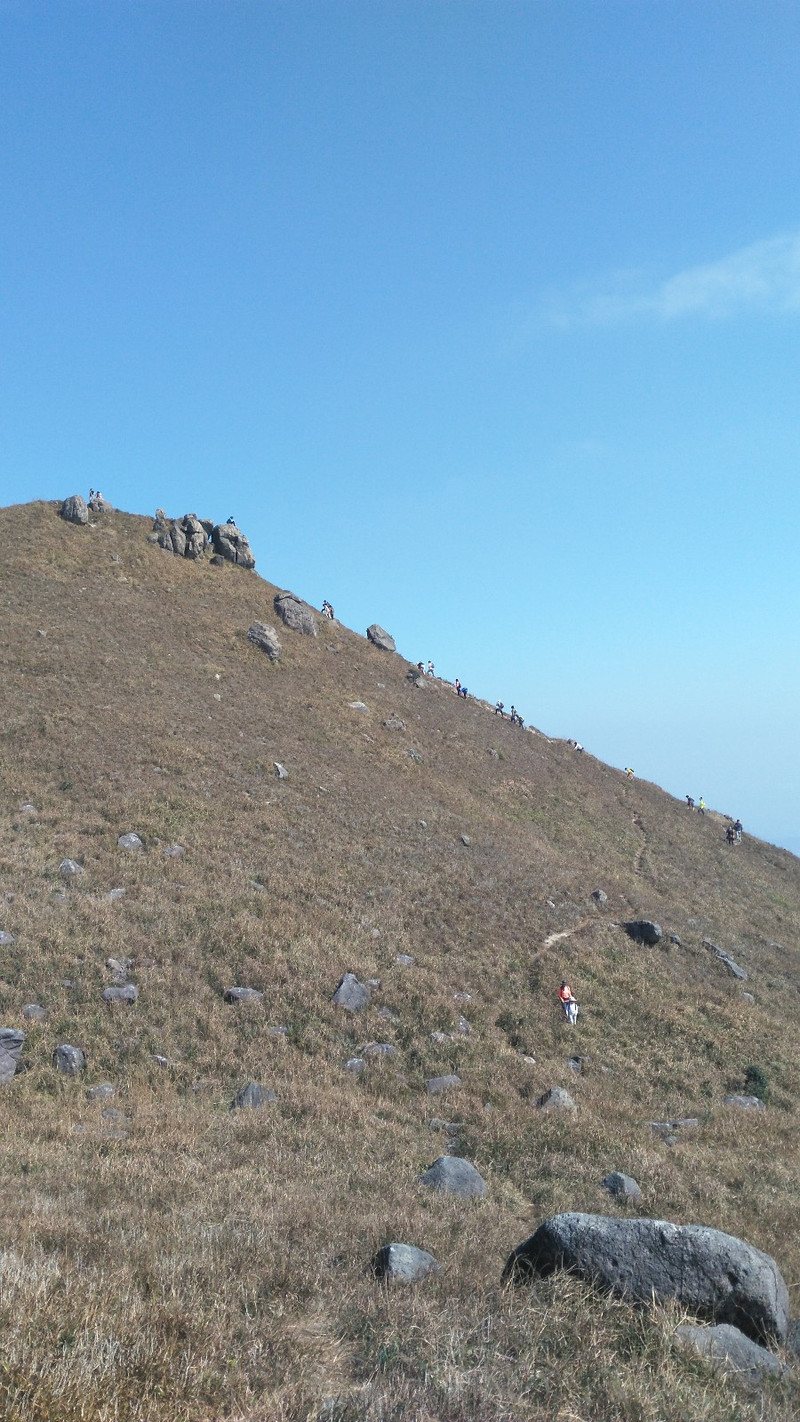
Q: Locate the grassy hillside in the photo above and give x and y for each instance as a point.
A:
(177, 1260)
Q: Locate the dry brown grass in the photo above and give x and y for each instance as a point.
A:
(189, 1263)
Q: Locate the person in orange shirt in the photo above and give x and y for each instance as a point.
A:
(568, 1003)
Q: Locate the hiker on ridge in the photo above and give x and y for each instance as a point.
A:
(690, 801)
(730, 835)
(701, 807)
(500, 709)
(738, 829)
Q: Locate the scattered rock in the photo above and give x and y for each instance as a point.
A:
(404, 960)
(414, 755)
(746, 996)
(114, 894)
(731, 1351)
(403, 1263)
(174, 851)
(436, 1123)
(243, 994)
(745, 1103)
(714, 1275)
(575, 1064)
(379, 1049)
(130, 841)
(103, 1092)
(11, 1043)
(642, 930)
(114, 1116)
(465, 839)
(726, 959)
(622, 1187)
(70, 1061)
(435, 1085)
(33, 1012)
(251, 1096)
(265, 638)
(394, 723)
(374, 983)
(230, 543)
(74, 510)
(381, 639)
(440, 1037)
(452, 1175)
(463, 1027)
(120, 967)
(281, 773)
(295, 613)
(358, 706)
(356, 1065)
(6, 939)
(599, 896)
(70, 869)
(666, 1130)
(674, 939)
(28, 809)
(556, 1099)
(462, 997)
(351, 994)
(128, 993)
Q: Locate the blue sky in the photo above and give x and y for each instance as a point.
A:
(481, 318)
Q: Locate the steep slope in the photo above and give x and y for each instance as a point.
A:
(183, 1261)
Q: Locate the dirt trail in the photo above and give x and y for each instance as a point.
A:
(638, 858)
(566, 933)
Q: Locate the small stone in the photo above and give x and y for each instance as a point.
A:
(556, 1099)
(643, 930)
(622, 1187)
(394, 723)
(130, 841)
(70, 1061)
(358, 706)
(159, 1060)
(6, 939)
(114, 894)
(379, 1049)
(575, 1064)
(731, 1351)
(70, 869)
(114, 1116)
(243, 994)
(278, 1032)
(386, 1012)
(404, 960)
(174, 851)
(352, 995)
(452, 1128)
(464, 1027)
(251, 1096)
(462, 997)
(28, 809)
(465, 839)
(11, 1043)
(33, 1012)
(726, 958)
(356, 1065)
(374, 983)
(423, 824)
(281, 773)
(746, 996)
(745, 1103)
(103, 1092)
(674, 939)
(403, 1263)
(452, 1175)
(599, 896)
(441, 1037)
(415, 756)
(127, 993)
(120, 967)
(435, 1085)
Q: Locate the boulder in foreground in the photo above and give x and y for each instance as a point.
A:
(714, 1275)
(643, 930)
(74, 509)
(351, 994)
(266, 638)
(295, 613)
(381, 639)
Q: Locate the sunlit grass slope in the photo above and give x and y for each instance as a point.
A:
(180, 1261)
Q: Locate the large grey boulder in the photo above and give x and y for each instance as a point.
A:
(231, 544)
(714, 1275)
(11, 1041)
(99, 505)
(251, 1096)
(404, 1263)
(74, 510)
(70, 869)
(351, 994)
(643, 930)
(266, 639)
(727, 960)
(70, 1061)
(379, 638)
(130, 841)
(452, 1175)
(730, 1350)
(745, 1103)
(196, 538)
(295, 613)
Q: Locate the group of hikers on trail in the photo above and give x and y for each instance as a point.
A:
(513, 715)
(327, 610)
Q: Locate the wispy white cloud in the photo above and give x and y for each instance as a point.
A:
(764, 277)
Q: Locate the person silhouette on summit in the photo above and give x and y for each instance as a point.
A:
(231, 520)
